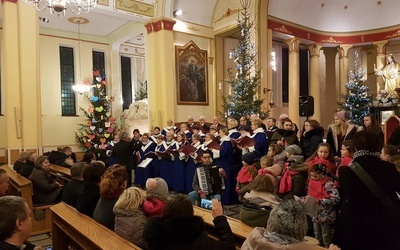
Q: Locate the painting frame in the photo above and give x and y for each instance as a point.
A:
(191, 75)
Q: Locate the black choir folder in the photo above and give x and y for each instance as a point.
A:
(245, 141)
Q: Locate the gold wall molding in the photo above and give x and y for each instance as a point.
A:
(136, 7)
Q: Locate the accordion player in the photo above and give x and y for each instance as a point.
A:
(210, 180)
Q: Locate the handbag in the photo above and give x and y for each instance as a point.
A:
(376, 190)
(254, 215)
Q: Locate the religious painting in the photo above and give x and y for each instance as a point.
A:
(191, 75)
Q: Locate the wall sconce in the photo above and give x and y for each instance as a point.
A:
(273, 60)
(220, 85)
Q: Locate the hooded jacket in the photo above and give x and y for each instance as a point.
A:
(257, 241)
(129, 224)
(187, 233)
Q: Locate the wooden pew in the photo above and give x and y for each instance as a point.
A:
(78, 231)
(239, 229)
(63, 174)
(20, 186)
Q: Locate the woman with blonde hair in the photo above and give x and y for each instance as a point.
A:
(129, 216)
(112, 185)
(339, 131)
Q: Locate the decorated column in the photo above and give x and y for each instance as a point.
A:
(160, 70)
(294, 79)
(315, 89)
(343, 66)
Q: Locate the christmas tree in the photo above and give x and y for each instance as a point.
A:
(98, 129)
(356, 101)
(244, 84)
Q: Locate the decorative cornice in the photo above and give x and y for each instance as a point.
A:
(11, 1)
(160, 24)
(302, 32)
(228, 13)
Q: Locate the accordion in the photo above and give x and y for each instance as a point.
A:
(210, 180)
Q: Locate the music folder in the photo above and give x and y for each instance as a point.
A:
(214, 145)
(246, 142)
(145, 162)
(187, 149)
(151, 154)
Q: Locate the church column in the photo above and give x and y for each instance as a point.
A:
(343, 66)
(294, 79)
(160, 70)
(380, 47)
(20, 78)
(315, 90)
(330, 99)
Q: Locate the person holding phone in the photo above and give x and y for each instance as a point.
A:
(179, 228)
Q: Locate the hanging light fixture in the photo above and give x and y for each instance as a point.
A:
(80, 87)
(60, 6)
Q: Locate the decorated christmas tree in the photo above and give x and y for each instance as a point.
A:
(244, 84)
(356, 101)
(97, 131)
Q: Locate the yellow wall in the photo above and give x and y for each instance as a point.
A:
(58, 130)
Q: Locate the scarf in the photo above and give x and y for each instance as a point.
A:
(316, 188)
(279, 238)
(244, 175)
(360, 153)
(286, 183)
(330, 165)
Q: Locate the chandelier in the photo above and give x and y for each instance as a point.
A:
(80, 87)
(60, 6)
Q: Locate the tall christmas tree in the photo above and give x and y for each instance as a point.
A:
(244, 84)
(99, 127)
(356, 101)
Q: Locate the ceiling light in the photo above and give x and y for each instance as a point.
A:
(60, 6)
(177, 12)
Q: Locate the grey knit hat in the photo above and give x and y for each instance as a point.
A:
(157, 186)
(293, 149)
(288, 218)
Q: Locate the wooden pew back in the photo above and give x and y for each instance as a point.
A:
(20, 186)
(78, 231)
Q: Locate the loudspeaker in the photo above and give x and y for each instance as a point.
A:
(306, 106)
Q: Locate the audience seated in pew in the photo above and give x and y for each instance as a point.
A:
(129, 216)
(45, 188)
(3, 182)
(29, 165)
(157, 196)
(15, 224)
(75, 187)
(89, 156)
(285, 229)
(258, 202)
(87, 201)
(179, 228)
(113, 183)
(20, 162)
(63, 157)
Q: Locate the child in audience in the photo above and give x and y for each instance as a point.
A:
(248, 172)
(129, 216)
(323, 155)
(112, 185)
(323, 190)
(92, 174)
(179, 228)
(258, 202)
(294, 180)
(388, 151)
(347, 152)
(45, 188)
(157, 196)
(277, 152)
(269, 168)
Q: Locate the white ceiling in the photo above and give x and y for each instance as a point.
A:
(338, 15)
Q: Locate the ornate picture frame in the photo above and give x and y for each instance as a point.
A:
(191, 75)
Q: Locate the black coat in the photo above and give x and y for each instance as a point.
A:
(7, 246)
(72, 191)
(88, 199)
(310, 140)
(363, 222)
(187, 233)
(123, 153)
(27, 169)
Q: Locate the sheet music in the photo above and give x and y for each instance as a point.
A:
(145, 162)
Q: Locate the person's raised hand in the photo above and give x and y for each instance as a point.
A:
(216, 208)
(333, 247)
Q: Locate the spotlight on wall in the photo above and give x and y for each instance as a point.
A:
(177, 12)
(43, 19)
